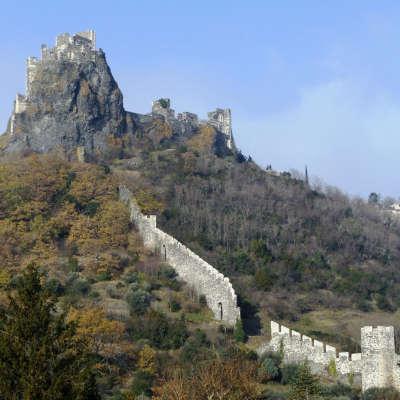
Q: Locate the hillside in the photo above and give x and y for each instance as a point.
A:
(292, 251)
(66, 218)
(310, 257)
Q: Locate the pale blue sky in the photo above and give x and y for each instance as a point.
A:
(309, 82)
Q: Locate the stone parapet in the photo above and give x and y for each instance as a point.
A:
(204, 278)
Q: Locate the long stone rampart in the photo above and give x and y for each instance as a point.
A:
(377, 364)
(204, 278)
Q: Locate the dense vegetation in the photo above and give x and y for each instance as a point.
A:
(290, 248)
(144, 332)
(41, 357)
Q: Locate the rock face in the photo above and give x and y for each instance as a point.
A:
(73, 106)
(69, 105)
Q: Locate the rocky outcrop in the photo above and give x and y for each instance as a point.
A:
(73, 106)
(69, 105)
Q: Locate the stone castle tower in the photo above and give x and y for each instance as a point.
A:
(380, 368)
(220, 119)
(77, 48)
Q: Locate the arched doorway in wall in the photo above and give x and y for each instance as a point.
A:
(164, 252)
(221, 311)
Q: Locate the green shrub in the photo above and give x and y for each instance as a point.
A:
(331, 368)
(384, 304)
(168, 277)
(264, 278)
(203, 301)
(339, 390)
(142, 383)
(77, 286)
(73, 264)
(104, 276)
(381, 394)
(269, 370)
(138, 301)
(162, 332)
(55, 287)
(174, 305)
(167, 272)
(239, 333)
(304, 385)
(288, 373)
(273, 396)
(131, 277)
(195, 348)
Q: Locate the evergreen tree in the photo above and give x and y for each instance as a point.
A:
(304, 386)
(239, 333)
(40, 357)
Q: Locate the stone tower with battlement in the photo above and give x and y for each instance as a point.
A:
(222, 120)
(163, 107)
(377, 365)
(76, 48)
(378, 355)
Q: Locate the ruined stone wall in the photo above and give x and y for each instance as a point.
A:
(205, 279)
(222, 120)
(80, 47)
(298, 348)
(377, 364)
(163, 107)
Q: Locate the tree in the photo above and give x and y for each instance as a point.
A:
(239, 333)
(40, 356)
(373, 198)
(229, 380)
(147, 360)
(304, 386)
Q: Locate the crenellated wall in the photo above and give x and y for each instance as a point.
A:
(377, 364)
(299, 348)
(205, 279)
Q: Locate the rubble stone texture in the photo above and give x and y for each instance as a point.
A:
(197, 273)
(377, 364)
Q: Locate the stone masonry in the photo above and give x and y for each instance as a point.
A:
(205, 279)
(220, 119)
(77, 48)
(377, 364)
(72, 99)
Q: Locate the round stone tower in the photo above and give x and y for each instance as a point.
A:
(378, 356)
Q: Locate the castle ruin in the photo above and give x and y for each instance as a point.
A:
(204, 278)
(80, 47)
(220, 119)
(377, 365)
